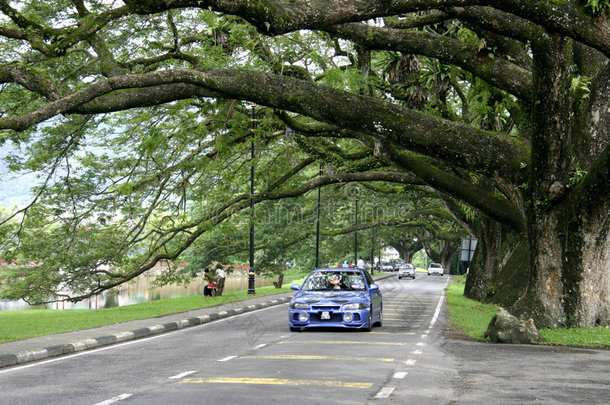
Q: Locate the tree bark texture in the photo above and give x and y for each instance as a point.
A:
(568, 283)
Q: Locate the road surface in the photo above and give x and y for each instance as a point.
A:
(253, 358)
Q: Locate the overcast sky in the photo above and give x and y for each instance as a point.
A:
(14, 189)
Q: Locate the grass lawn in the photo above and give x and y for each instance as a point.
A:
(16, 325)
(469, 316)
(472, 318)
(587, 337)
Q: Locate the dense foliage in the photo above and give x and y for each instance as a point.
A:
(138, 117)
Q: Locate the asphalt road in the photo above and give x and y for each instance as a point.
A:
(253, 358)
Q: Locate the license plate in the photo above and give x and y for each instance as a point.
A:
(325, 315)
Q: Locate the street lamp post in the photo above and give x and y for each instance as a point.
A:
(373, 241)
(356, 233)
(251, 274)
(318, 224)
(372, 250)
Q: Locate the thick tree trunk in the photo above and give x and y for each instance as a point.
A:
(570, 279)
(499, 271)
(489, 260)
(592, 218)
(568, 226)
(592, 268)
(544, 298)
(551, 141)
(485, 261)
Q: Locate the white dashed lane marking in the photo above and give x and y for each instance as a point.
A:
(115, 399)
(178, 376)
(385, 392)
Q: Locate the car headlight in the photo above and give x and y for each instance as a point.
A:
(353, 306)
(299, 305)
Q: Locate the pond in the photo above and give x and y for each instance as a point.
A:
(141, 290)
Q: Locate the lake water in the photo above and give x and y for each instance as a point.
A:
(140, 290)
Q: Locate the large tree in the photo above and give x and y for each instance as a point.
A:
(507, 114)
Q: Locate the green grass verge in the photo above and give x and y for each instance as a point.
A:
(473, 317)
(469, 316)
(586, 337)
(38, 322)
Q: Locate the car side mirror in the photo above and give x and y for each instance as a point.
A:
(295, 287)
(374, 287)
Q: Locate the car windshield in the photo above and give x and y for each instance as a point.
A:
(333, 281)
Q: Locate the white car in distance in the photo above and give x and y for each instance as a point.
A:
(406, 270)
(436, 268)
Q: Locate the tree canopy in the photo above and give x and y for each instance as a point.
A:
(138, 115)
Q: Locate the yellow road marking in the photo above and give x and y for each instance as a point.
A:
(401, 325)
(275, 381)
(397, 304)
(407, 313)
(394, 312)
(312, 357)
(342, 342)
(418, 313)
(392, 333)
(400, 319)
(407, 306)
(399, 307)
(411, 300)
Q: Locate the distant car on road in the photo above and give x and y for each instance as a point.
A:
(406, 270)
(396, 263)
(338, 298)
(386, 266)
(436, 268)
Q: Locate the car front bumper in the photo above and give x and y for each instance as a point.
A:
(301, 318)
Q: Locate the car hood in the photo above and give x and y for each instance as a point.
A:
(331, 296)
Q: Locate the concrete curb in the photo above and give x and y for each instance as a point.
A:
(8, 360)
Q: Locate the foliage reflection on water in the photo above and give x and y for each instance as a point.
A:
(140, 290)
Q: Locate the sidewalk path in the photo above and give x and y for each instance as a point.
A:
(43, 347)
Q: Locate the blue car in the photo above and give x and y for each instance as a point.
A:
(336, 298)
